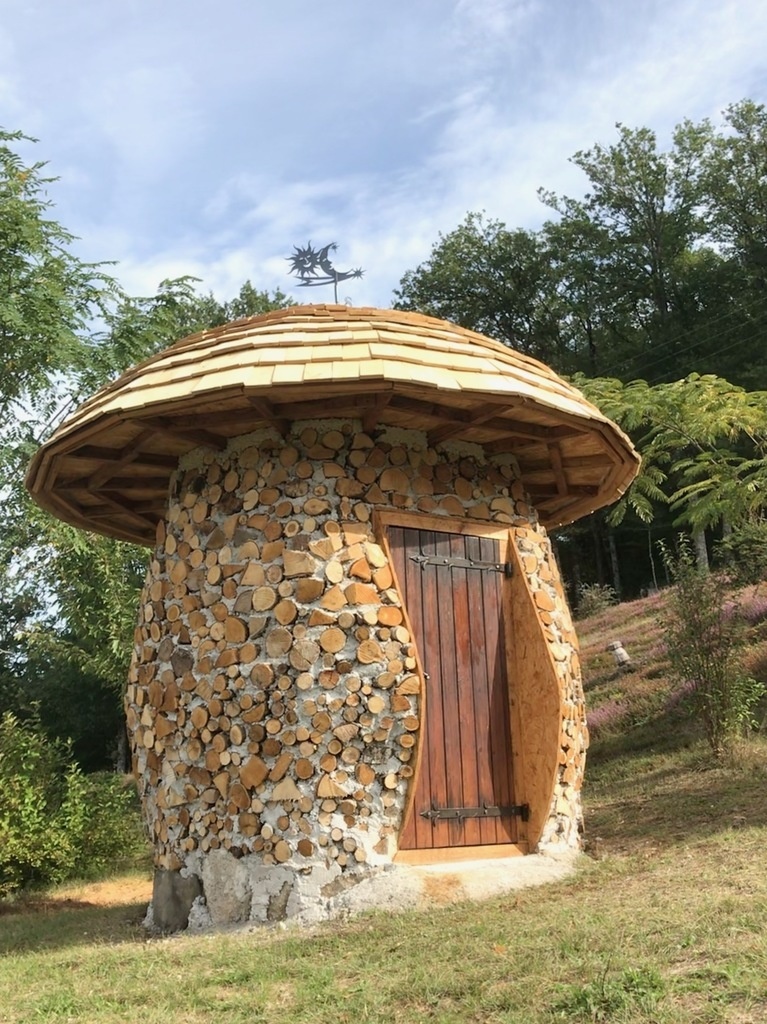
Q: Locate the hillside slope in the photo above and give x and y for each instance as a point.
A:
(650, 777)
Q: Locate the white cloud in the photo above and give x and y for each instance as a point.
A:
(210, 142)
(491, 25)
(148, 114)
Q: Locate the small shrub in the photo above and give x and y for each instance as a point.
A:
(112, 833)
(55, 822)
(595, 598)
(744, 552)
(704, 636)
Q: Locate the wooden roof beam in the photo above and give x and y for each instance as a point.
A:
(193, 435)
(559, 474)
(119, 505)
(371, 417)
(152, 473)
(127, 455)
(350, 404)
(462, 419)
(266, 411)
(510, 444)
(552, 491)
(145, 512)
(128, 483)
(568, 463)
(474, 418)
(145, 460)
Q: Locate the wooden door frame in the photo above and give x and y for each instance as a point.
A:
(382, 519)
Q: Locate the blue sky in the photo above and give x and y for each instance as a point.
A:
(209, 139)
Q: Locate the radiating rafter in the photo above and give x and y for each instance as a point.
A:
(266, 411)
(372, 416)
(556, 465)
(195, 435)
(118, 504)
(472, 419)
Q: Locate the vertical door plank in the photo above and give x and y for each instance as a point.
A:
(478, 582)
(456, 617)
(419, 830)
(465, 709)
(498, 692)
(408, 839)
(438, 601)
(452, 627)
(396, 539)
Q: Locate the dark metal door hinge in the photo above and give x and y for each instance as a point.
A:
(462, 563)
(462, 813)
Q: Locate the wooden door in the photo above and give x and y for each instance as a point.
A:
(453, 594)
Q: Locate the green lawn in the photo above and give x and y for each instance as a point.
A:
(667, 922)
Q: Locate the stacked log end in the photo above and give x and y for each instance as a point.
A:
(274, 695)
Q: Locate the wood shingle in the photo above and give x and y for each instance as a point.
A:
(385, 366)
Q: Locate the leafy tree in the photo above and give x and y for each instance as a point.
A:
(702, 441)
(658, 271)
(68, 599)
(633, 252)
(491, 280)
(48, 296)
(732, 184)
(578, 249)
(732, 180)
(249, 301)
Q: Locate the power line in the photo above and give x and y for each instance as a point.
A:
(761, 305)
(716, 352)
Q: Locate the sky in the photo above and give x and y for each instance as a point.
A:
(210, 139)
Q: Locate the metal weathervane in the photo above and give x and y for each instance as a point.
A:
(313, 267)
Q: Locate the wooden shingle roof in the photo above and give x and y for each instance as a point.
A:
(107, 466)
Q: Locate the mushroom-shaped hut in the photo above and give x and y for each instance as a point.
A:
(353, 644)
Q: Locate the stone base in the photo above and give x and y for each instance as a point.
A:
(238, 891)
(172, 897)
(243, 894)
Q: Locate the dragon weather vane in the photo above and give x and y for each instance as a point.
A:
(313, 267)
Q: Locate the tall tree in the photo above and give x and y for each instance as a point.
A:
(492, 280)
(733, 185)
(732, 181)
(48, 296)
(68, 599)
(639, 231)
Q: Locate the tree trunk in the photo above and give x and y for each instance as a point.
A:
(652, 559)
(614, 561)
(701, 551)
(122, 762)
(599, 561)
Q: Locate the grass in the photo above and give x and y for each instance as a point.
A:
(666, 924)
